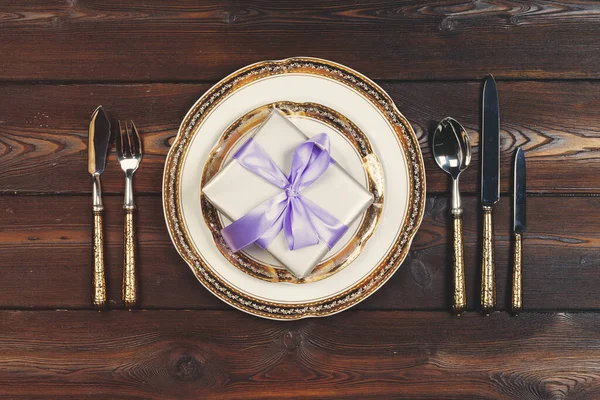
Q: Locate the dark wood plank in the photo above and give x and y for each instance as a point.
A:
(229, 355)
(45, 254)
(386, 39)
(43, 132)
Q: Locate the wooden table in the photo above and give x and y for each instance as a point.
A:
(150, 60)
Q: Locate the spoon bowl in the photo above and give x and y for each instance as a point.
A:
(451, 147)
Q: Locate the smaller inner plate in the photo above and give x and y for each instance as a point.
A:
(355, 155)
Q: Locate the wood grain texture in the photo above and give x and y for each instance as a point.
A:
(151, 60)
(45, 254)
(229, 355)
(43, 132)
(185, 40)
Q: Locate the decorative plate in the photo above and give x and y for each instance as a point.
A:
(370, 139)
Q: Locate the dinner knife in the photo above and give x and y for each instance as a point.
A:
(519, 227)
(99, 138)
(490, 189)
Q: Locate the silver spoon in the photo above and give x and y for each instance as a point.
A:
(452, 152)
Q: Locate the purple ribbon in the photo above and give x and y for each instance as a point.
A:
(303, 222)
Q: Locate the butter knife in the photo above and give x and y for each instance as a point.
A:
(99, 138)
(519, 227)
(490, 190)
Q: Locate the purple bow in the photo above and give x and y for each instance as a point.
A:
(303, 222)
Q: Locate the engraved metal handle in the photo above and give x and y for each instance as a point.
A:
(488, 269)
(98, 280)
(129, 292)
(517, 289)
(458, 265)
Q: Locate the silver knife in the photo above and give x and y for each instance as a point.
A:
(519, 227)
(490, 189)
(99, 138)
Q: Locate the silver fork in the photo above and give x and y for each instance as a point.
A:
(129, 152)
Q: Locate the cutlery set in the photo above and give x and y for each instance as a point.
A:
(452, 152)
(129, 152)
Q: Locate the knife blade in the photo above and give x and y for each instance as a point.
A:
(98, 141)
(520, 193)
(490, 189)
(519, 227)
(490, 161)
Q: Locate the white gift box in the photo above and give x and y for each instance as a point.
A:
(234, 191)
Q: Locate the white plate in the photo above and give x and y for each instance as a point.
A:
(296, 80)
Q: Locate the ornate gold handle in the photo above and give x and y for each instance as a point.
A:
(488, 269)
(517, 288)
(129, 272)
(458, 265)
(98, 280)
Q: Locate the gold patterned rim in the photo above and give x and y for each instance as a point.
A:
(374, 183)
(386, 267)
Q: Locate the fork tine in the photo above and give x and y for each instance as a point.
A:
(136, 140)
(126, 141)
(121, 149)
(132, 138)
(129, 141)
(131, 134)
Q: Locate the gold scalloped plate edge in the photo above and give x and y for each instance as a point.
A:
(360, 290)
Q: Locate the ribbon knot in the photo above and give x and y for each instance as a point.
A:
(291, 192)
(304, 223)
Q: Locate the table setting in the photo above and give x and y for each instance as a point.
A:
(324, 236)
(266, 200)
